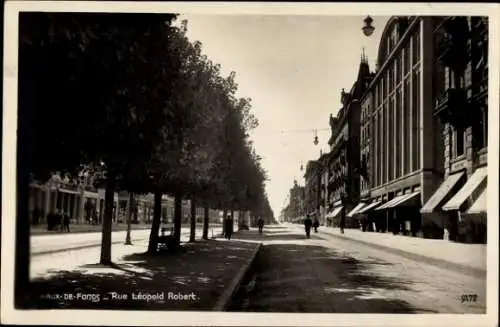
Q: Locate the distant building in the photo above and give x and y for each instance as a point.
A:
(312, 189)
(323, 187)
(296, 208)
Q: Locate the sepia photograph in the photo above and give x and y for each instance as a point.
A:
(191, 159)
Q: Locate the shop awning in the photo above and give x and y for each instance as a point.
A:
(442, 192)
(369, 207)
(400, 201)
(334, 212)
(354, 211)
(480, 205)
(471, 186)
(390, 203)
(408, 200)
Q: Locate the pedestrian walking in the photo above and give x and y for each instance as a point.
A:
(51, 217)
(316, 225)
(229, 227)
(308, 225)
(36, 216)
(260, 223)
(342, 224)
(65, 218)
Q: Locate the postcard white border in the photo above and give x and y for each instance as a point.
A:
(116, 318)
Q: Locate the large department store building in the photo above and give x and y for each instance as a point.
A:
(424, 130)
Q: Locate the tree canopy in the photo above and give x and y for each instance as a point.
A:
(132, 95)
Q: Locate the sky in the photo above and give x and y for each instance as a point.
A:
(293, 68)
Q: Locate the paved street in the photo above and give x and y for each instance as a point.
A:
(56, 242)
(328, 274)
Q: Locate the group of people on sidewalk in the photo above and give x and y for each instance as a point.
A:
(58, 221)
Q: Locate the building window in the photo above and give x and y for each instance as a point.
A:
(416, 111)
(390, 139)
(459, 148)
(397, 70)
(407, 125)
(416, 47)
(397, 124)
(480, 130)
(407, 58)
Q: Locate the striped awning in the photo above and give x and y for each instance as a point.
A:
(369, 207)
(471, 186)
(400, 201)
(444, 190)
(334, 212)
(356, 209)
(480, 205)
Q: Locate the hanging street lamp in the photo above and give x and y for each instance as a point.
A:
(368, 28)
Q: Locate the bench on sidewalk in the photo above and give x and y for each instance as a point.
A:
(166, 242)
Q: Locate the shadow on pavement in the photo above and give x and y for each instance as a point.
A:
(273, 235)
(206, 268)
(315, 279)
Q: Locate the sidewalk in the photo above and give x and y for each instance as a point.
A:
(458, 256)
(203, 277)
(85, 228)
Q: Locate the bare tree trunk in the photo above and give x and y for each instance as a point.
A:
(192, 232)
(206, 217)
(128, 240)
(224, 216)
(22, 248)
(177, 216)
(155, 226)
(109, 197)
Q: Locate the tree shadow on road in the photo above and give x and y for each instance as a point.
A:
(206, 268)
(311, 278)
(274, 236)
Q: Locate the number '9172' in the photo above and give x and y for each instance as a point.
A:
(467, 298)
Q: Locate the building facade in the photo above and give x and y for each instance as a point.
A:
(423, 126)
(84, 203)
(312, 189)
(458, 207)
(396, 123)
(344, 158)
(296, 206)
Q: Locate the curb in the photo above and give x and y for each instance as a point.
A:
(225, 300)
(457, 267)
(86, 246)
(39, 234)
(82, 247)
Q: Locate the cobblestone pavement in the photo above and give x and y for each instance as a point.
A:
(328, 274)
(193, 279)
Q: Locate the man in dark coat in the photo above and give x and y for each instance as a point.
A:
(316, 225)
(260, 223)
(229, 227)
(308, 225)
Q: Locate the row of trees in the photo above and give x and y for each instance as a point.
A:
(130, 97)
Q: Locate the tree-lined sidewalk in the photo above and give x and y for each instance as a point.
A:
(128, 98)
